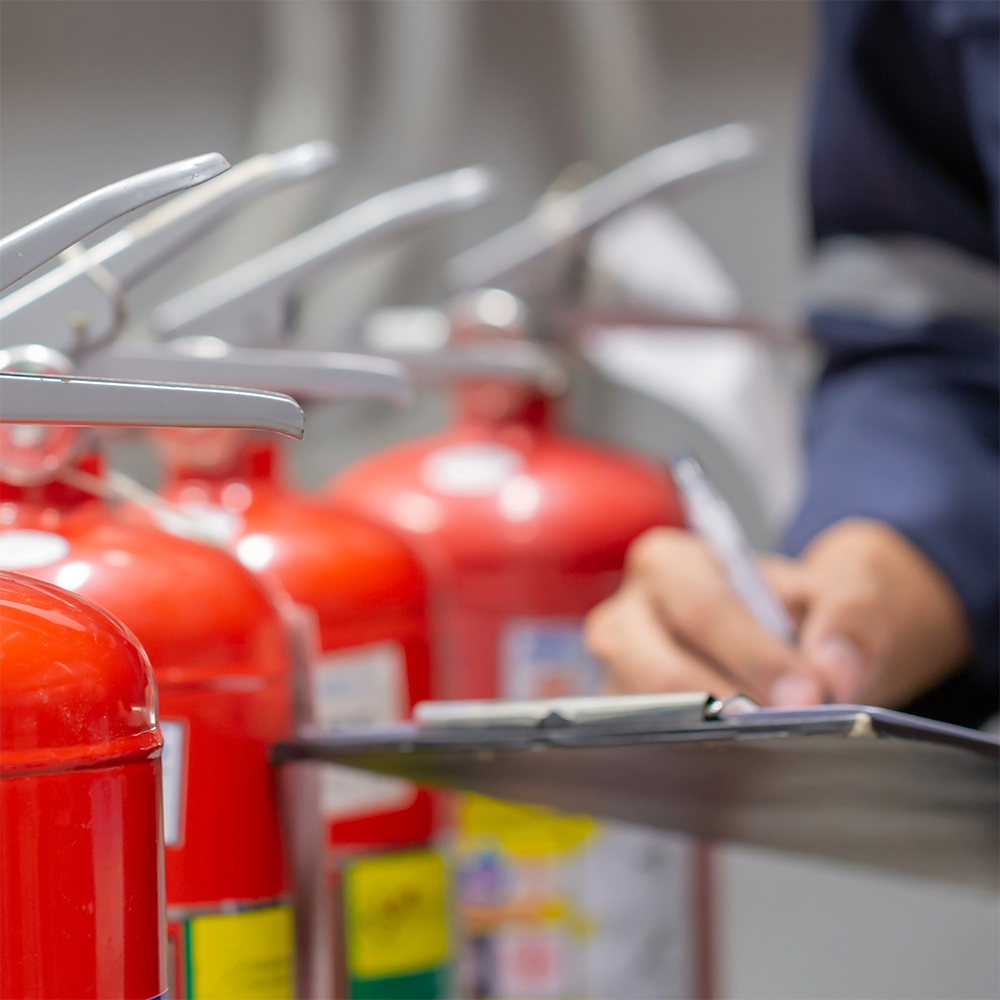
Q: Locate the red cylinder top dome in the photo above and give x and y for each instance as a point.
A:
(76, 689)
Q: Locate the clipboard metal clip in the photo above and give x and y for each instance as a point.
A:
(671, 710)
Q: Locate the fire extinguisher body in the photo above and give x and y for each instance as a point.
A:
(220, 660)
(521, 526)
(367, 595)
(81, 847)
(365, 588)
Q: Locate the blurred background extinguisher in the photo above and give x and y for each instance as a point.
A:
(81, 822)
(523, 530)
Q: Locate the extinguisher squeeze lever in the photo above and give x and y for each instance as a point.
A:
(21, 252)
(249, 304)
(312, 375)
(27, 398)
(184, 219)
(80, 305)
(509, 255)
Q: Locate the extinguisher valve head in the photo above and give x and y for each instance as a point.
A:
(487, 314)
(44, 409)
(31, 454)
(35, 358)
(482, 336)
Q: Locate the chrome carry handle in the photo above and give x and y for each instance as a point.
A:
(80, 304)
(248, 304)
(82, 401)
(306, 375)
(507, 256)
(43, 239)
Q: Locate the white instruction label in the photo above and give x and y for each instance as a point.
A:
(470, 470)
(364, 684)
(172, 762)
(546, 658)
(30, 549)
(637, 890)
(360, 684)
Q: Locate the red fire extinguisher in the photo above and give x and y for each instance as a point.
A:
(361, 582)
(81, 848)
(520, 523)
(218, 648)
(368, 659)
(366, 592)
(515, 554)
(81, 834)
(523, 530)
(219, 655)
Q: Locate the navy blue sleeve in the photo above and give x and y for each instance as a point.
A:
(910, 437)
(904, 423)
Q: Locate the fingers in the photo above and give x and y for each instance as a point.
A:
(640, 655)
(883, 623)
(793, 582)
(878, 622)
(691, 595)
(675, 624)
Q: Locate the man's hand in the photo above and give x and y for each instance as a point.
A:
(877, 622)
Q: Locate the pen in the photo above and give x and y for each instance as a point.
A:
(716, 524)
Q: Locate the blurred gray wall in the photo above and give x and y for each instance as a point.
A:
(94, 89)
(91, 91)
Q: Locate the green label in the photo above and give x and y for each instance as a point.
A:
(430, 985)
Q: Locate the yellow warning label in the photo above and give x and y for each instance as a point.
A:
(521, 830)
(242, 956)
(396, 919)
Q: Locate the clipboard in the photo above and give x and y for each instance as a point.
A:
(851, 783)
